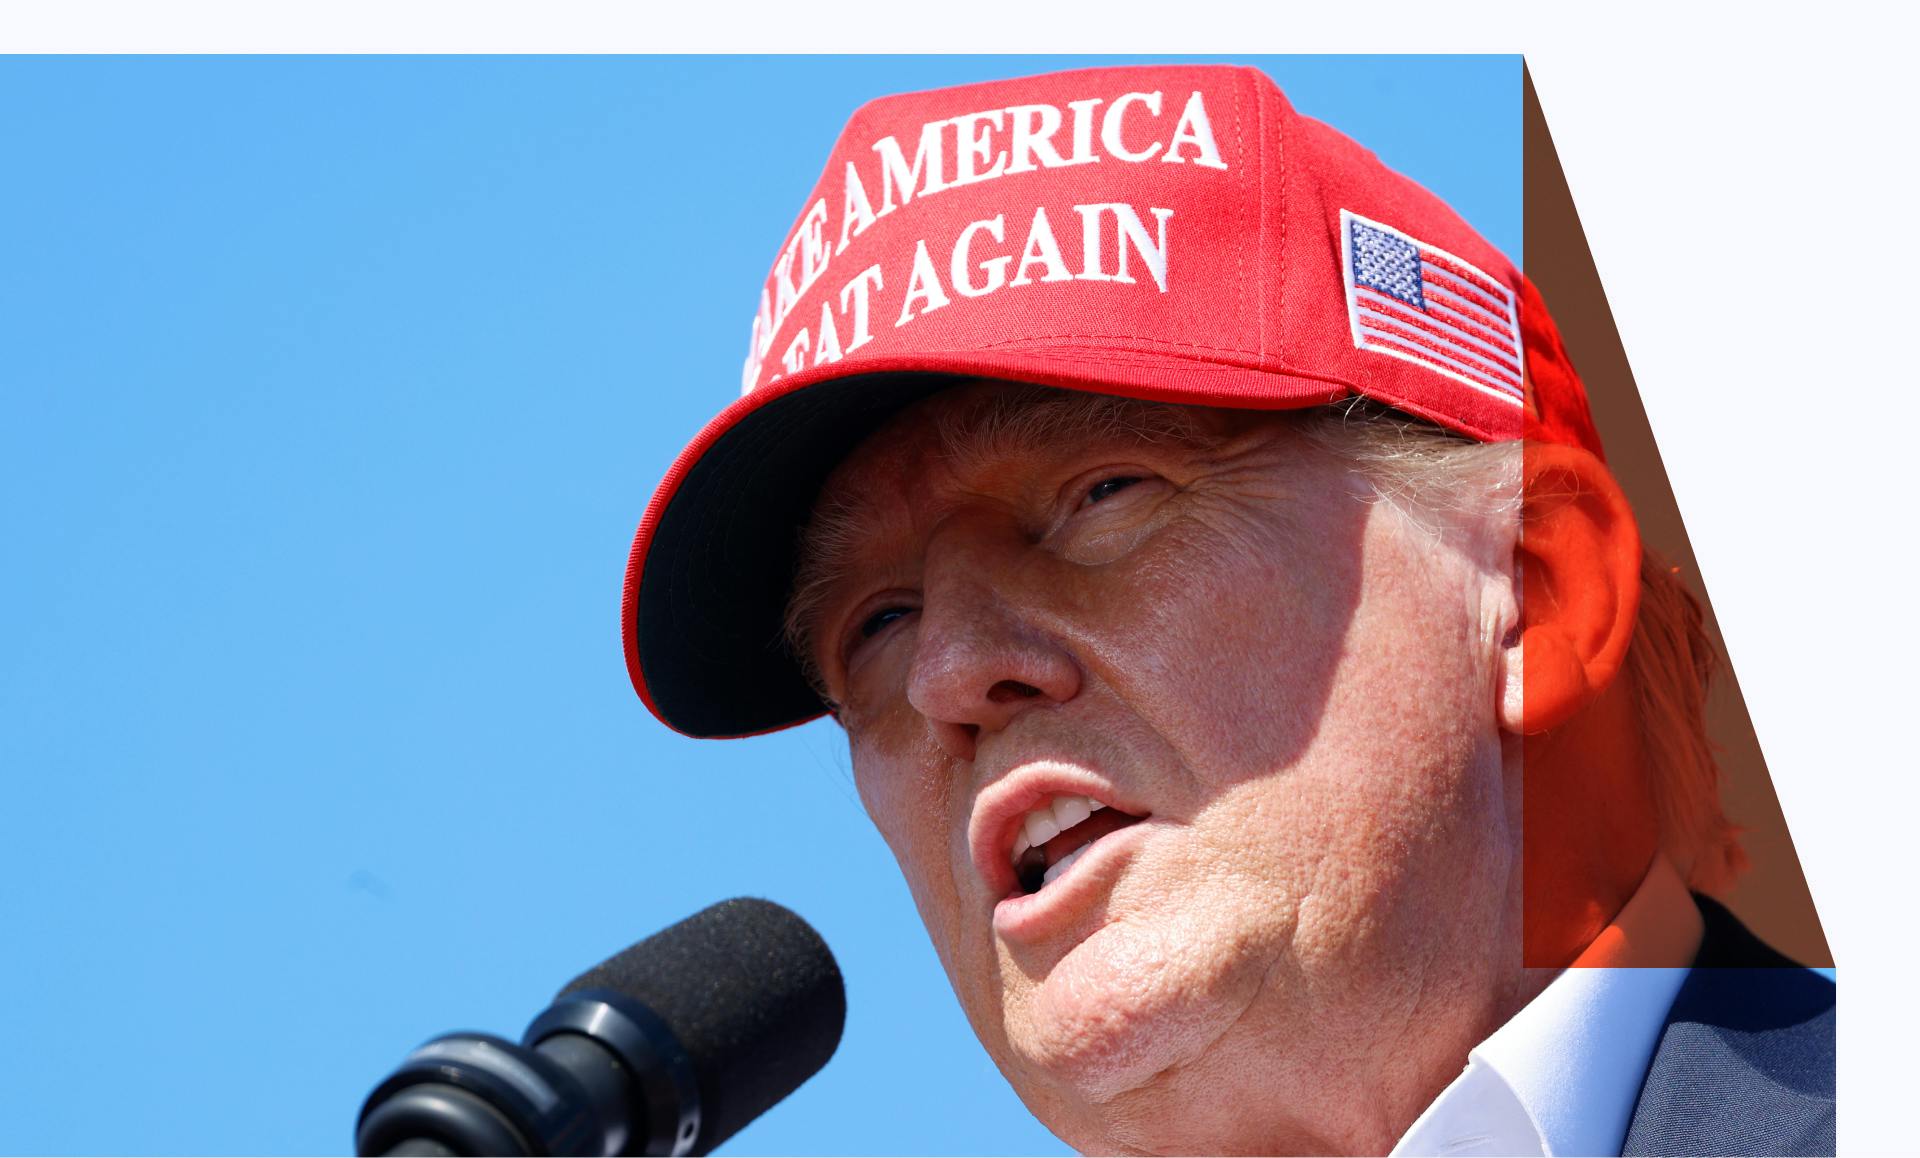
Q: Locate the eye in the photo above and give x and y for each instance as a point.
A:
(1107, 488)
(866, 623)
(874, 624)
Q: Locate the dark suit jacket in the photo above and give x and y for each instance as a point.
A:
(1744, 1064)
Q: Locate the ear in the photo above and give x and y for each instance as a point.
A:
(1578, 565)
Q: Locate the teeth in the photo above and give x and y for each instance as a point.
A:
(1059, 867)
(1050, 820)
(1041, 827)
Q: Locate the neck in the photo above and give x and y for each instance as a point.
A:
(1590, 829)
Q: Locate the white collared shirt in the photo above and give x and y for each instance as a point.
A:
(1561, 1077)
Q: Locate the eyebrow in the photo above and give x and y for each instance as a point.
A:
(1019, 421)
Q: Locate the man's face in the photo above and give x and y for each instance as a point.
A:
(1281, 689)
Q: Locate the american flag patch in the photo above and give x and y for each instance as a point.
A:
(1409, 300)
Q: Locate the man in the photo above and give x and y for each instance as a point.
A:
(1200, 534)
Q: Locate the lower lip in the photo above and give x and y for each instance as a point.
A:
(1030, 916)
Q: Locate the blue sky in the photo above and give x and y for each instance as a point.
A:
(331, 391)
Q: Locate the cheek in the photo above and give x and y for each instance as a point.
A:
(907, 804)
(1226, 637)
(871, 700)
(1400, 785)
(908, 790)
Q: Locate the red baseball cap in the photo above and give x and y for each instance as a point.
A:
(1176, 234)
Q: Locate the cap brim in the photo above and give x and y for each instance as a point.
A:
(713, 561)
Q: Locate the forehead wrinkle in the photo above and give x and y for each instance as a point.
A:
(1016, 422)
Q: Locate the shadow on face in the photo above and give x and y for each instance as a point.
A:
(1198, 619)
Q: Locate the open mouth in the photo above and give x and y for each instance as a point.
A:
(1054, 835)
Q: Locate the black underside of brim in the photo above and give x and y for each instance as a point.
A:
(720, 568)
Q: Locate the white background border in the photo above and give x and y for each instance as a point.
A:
(1742, 188)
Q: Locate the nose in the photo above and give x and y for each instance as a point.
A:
(983, 653)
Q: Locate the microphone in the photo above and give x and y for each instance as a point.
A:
(668, 1047)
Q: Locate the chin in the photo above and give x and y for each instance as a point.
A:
(1116, 1073)
(1119, 1012)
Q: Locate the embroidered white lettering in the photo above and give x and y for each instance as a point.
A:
(1112, 124)
(960, 273)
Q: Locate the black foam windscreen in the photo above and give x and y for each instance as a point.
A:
(751, 992)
